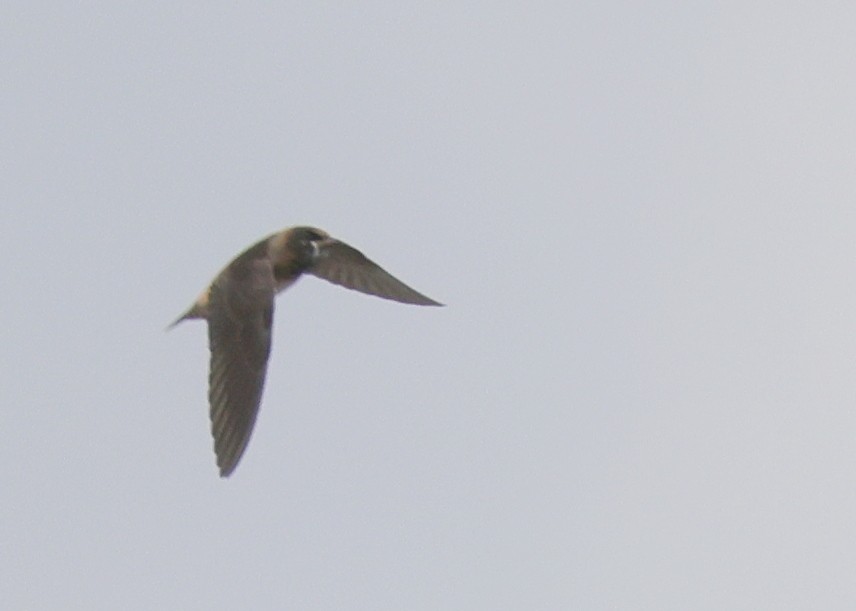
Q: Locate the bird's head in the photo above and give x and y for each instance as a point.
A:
(299, 245)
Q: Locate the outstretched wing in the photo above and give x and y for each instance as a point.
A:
(346, 266)
(239, 337)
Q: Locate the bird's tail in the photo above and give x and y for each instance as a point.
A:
(193, 312)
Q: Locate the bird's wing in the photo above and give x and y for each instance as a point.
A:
(344, 265)
(239, 336)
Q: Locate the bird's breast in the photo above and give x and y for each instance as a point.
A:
(284, 283)
(286, 272)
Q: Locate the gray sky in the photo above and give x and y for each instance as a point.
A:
(641, 217)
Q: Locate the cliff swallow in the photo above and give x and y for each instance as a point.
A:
(238, 306)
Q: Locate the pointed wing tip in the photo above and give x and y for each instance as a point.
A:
(226, 469)
(228, 460)
(424, 300)
(410, 299)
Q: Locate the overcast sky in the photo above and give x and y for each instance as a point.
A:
(641, 216)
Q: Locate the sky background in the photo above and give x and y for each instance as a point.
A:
(641, 216)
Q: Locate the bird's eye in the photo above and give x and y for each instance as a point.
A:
(311, 239)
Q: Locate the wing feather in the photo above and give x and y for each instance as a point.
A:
(239, 336)
(346, 266)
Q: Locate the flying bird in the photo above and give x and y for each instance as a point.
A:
(238, 305)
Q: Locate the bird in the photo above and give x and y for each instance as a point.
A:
(239, 305)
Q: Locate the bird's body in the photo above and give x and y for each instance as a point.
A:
(238, 306)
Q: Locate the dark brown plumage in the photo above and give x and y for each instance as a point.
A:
(238, 306)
